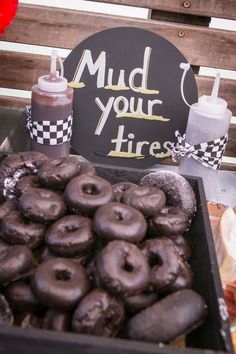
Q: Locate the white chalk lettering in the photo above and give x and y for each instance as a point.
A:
(139, 108)
(131, 136)
(121, 79)
(153, 149)
(119, 139)
(98, 66)
(154, 146)
(105, 113)
(117, 104)
(152, 103)
(141, 71)
(140, 145)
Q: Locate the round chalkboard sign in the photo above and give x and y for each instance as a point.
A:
(127, 101)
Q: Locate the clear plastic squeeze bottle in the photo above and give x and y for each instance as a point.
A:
(51, 113)
(208, 120)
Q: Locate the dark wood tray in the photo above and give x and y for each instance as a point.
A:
(213, 336)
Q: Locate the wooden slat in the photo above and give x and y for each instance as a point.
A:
(180, 18)
(211, 8)
(21, 70)
(15, 102)
(231, 146)
(228, 166)
(66, 28)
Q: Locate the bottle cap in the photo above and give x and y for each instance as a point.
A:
(213, 105)
(53, 82)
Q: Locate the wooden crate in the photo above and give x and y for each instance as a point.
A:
(184, 23)
(213, 335)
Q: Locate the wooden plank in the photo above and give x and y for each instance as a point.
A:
(211, 8)
(228, 166)
(231, 146)
(66, 28)
(6, 101)
(21, 71)
(180, 18)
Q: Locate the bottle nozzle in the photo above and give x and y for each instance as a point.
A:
(53, 67)
(53, 82)
(213, 104)
(215, 89)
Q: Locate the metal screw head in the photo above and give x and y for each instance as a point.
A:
(181, 34)
(186, 4)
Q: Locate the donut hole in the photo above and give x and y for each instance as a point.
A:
(53, 209)
(90, 188)
(108, 322)
(118, 215)
(43, 193)
(27, 221)
(128, 267)
(154, 260)
(62, 274)
(71, 228)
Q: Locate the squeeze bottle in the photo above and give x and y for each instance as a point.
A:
(208, 120)
(51, 113)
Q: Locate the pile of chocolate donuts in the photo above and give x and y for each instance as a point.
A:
(80, 254)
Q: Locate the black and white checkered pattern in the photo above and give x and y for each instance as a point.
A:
(49, 132)
(209, 154)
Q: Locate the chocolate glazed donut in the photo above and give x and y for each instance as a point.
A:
(86, 193)
(116, 221)
(17, 229)
(136, 303)
(122, 268)
(6, 316)
(164, 261)
(14, 261)
(183, 247)
(148, 200)
(57, 173)
(177, 189)
(6, 207)
(57, 321)
(120, 188)
(21, 298)
(170, 221)
(42, 205)
(25, 183)
(99, 313)
(184, 279)
(70, 235)
(60, 283)
(14, 167)
(156, 324)
(87, 169)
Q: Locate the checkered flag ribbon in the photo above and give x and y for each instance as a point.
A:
(48, 132)
(209, 154)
